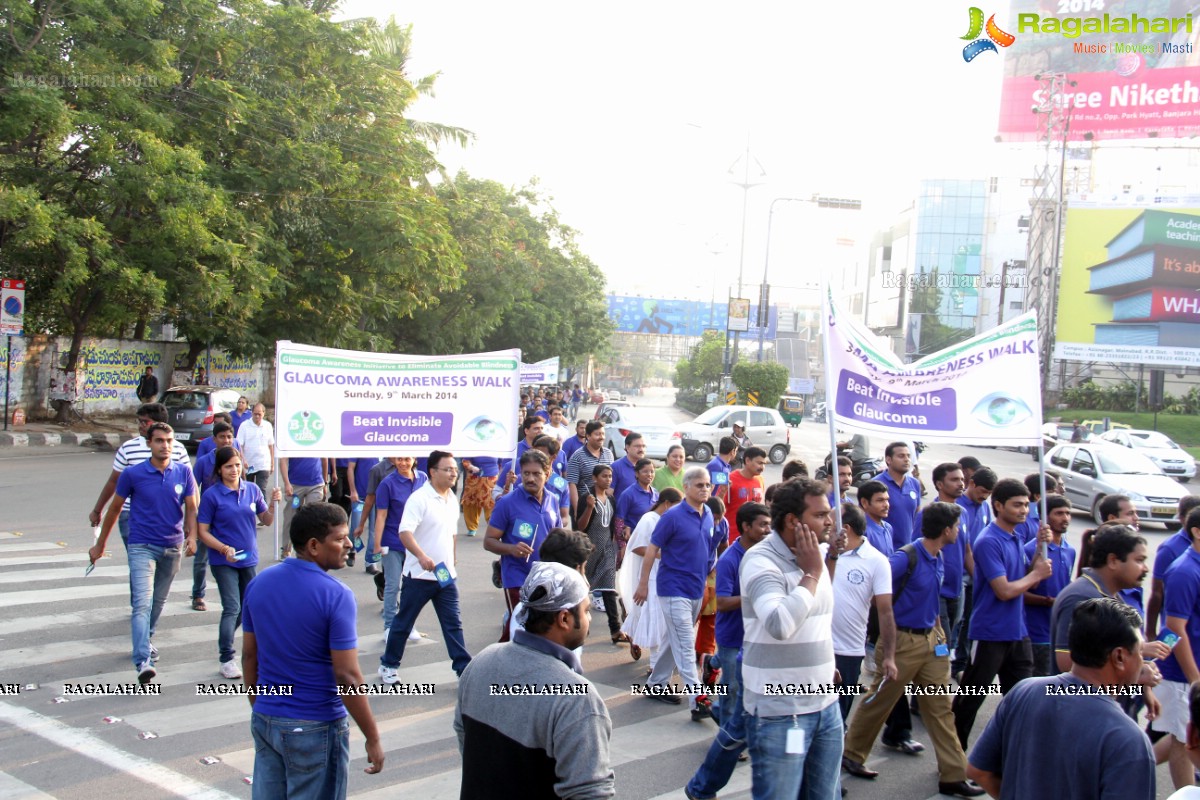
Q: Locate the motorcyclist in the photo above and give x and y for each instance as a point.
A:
(856, 447)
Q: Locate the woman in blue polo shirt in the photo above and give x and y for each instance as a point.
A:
(227, 525)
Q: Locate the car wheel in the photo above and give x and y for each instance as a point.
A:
(612, 448)
(1185, 480)
(1096, 515)
(1173, 526)
(778, 454)
(702, 453)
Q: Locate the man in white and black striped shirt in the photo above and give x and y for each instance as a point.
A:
(795, 727)
(583, 462)
(132, 453)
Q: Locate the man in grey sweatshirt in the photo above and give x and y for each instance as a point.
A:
(528, 723)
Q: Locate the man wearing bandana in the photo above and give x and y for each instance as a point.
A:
(526, 703)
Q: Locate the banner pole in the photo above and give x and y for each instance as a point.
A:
(7, 377)
(827, 324)
(275, 526)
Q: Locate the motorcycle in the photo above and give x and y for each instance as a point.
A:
(863, 470)
(818, 412)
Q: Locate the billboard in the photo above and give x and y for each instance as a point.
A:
(1135, 66)
(679, 317)
(541, 372)
(1130, 286)
(739, 315)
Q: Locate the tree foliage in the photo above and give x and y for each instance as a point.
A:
(703, 369)
(250, 171)
(768, 378)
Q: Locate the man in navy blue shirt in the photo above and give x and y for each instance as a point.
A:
(1002, 576)
(922, 658)
(520, 522)
(163, 504)
(577, 441)
(304, 482)
(625, 468)
(875, 501)
(1065, 736)
(686, 540)
(1040, 599)
(299, 631)
(904, 493)
(1165, 556)
(977, 515)
(949, 482)
(753, 523)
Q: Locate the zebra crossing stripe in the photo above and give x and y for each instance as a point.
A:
(170, 782)
(13, 789)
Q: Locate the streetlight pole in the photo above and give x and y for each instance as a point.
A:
(762, 329)
(746, 186)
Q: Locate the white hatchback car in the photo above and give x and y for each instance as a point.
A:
(657, 429)
(764, 427)
(1159, 448)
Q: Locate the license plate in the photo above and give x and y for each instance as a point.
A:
(1165, 511)
(183, 437)
(1174, 469)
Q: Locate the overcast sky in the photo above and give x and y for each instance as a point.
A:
(631, 114)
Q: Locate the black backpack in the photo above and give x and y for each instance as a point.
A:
(873, 615)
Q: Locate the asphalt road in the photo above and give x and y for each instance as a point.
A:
(57, 627)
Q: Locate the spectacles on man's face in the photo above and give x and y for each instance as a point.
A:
(447, 469)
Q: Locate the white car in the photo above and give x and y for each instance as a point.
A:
(1170, 457)
(764, 426)
(657, 429)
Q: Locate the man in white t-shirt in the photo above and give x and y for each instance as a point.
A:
(558, 426)
(863, 578)
(427, 530)
(130, 454)
(256, 438)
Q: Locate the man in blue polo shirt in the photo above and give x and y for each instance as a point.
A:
(304, 482)
(299, 631)
(1165, 556)
(721, 465)
(977, 515)
(532, 427)
(904, 492)
(753, 523)
(875, 501)
(163, 503)
(625, 468)
(520, 522)
(1002, 576)
(390, 496)
(921, 658)
(1040, 599)
(684, 541)
(949, 483)
(575, 442)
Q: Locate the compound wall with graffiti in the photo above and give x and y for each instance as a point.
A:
(107, 373)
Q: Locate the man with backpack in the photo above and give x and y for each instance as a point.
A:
(922, 657)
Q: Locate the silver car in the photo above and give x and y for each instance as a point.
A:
(764, 427)
(1091, 472)
(190, 410)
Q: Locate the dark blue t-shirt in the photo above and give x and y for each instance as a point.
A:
(624, 476)
(917, 607)
(975, 517)
(1027, 531)
(1062, 559)
(305, 472)
(1168, 552)
(954, 557)
(362, 475)
(570, 446)
(879, 534)
(902, 512)
(238, 417)
(688, 540)
(489, 466)
(232, 517)
(729, 629)
(522, 519)
(997, 553)
(1052, 745)
(1182, 599)
(633, 503)
(298, 613)
(391, 495)
(718, 473)
(156, 502)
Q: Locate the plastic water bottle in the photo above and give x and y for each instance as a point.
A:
(296, 501)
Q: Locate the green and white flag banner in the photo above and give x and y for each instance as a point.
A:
(342, 403)
(986, 390)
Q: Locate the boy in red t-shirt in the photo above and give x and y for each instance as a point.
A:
(746, 485)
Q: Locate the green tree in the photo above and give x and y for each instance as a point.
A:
(768, 378)
(703, 370)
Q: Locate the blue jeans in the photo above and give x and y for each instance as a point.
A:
(199, 569)
(722, 756)
(300, 759)
(356, 510)
(414, 596)
(146, 599)
(393, 565)
(231, 583)
(123, 527)
(678, 649)
(811, 775)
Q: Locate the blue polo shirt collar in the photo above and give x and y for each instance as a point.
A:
(544, 645)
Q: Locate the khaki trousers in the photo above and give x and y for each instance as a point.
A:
(916, 664)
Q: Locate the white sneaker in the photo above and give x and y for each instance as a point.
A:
(414, 635)
(146, 672)
(153, 654)
(598, 603)
(388, 675)
(230, 670)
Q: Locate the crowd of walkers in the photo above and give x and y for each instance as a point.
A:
(821, 639)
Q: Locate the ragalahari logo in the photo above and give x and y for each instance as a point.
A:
(995, 36)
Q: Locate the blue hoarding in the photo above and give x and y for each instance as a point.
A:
(677, 317)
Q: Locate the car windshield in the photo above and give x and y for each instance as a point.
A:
(1125, 463)
(712, 416)
(1152, 440)
(190, 400)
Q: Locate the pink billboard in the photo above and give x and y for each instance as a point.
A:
(1136, 73)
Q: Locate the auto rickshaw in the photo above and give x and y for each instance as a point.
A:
(791, 408)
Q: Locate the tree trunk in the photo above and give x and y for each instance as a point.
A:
(64, 407)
